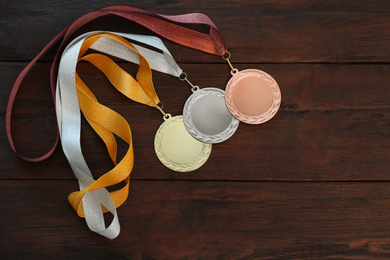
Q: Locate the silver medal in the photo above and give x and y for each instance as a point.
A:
(206, 116)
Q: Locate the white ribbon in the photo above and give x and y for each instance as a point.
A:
(69, 117)
(162, 62)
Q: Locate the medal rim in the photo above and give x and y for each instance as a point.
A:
(261, 118)
(195, 132)
(178, 167)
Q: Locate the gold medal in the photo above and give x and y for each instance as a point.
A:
(177, 149)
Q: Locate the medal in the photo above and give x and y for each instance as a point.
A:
(174, 146)
(252, 95)
(177, 149)
(206, 116)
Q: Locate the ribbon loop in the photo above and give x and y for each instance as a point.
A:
(103, 120)
(169, 27)
(71, 94)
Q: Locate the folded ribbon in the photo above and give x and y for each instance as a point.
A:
(104, 121)
(170, 27)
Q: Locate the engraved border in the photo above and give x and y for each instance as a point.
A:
(259, 119)
(178, 167)
(195, 132)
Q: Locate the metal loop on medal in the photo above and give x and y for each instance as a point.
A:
(228, 57)
(167, 116)
(183, 77)
(195, 88)
(159, 107)
(233, 70)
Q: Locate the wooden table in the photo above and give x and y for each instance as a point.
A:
(312, 183)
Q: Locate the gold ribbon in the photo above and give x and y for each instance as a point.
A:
(107, 122)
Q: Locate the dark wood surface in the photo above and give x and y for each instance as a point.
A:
(312, 183)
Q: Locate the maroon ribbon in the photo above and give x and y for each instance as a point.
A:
(165, 25)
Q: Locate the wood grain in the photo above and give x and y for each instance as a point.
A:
(203, 220)
(274, 31)
(312, 183)
(328, 113)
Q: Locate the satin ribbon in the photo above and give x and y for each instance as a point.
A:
(110, 43)
(162, 61)
(115, 46)
(69, 121)
(93, 193)
(94, 199)
(170, 27)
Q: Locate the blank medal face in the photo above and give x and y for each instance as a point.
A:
(206, 116)
(252, 96)
(177, 149)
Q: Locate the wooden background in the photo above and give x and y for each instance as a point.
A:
(312, 183)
